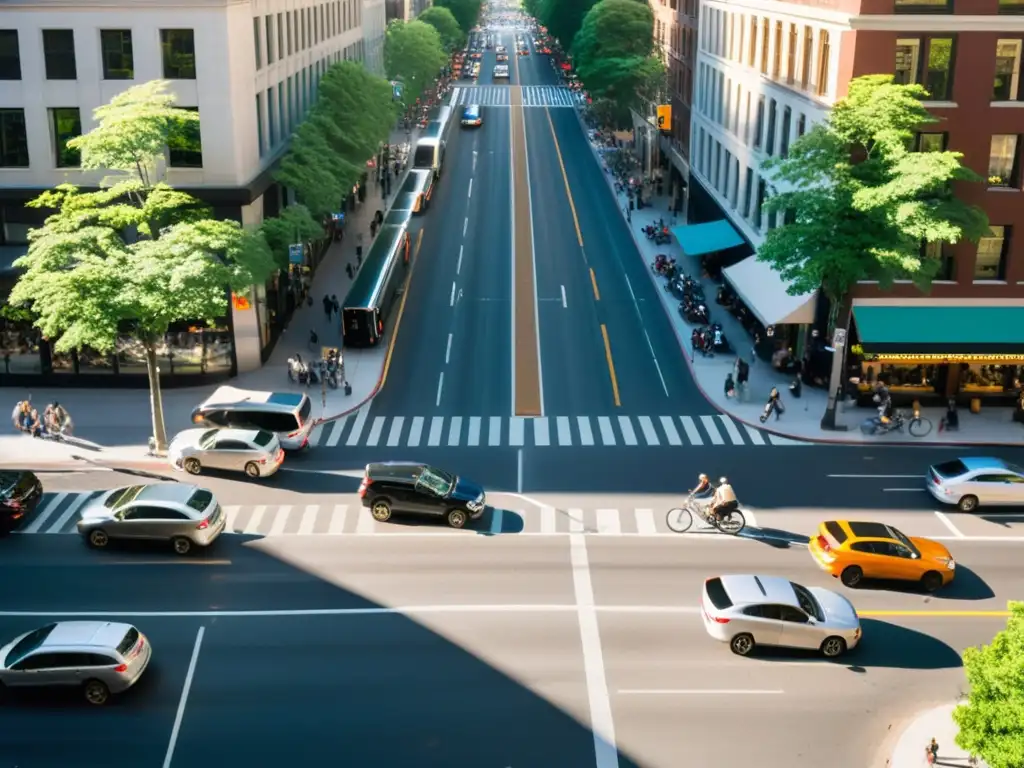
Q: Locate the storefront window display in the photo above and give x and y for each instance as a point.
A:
(990, 379)
(19, 342)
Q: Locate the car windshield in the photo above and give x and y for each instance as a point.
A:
(207, 440)
(27, 644)
(436, 481)
(123, 496)
(902, 539)
(808, 603)
(8, 480)
(1016, 469)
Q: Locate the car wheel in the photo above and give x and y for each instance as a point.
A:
(98, 538)
(743, 644)
(192, 466)
(832, 647)
(381, 510)
(96, 692)
(456, 518)
(252, 469)
(931, 581)
(967, 504)
(852, 575)
(181, 545)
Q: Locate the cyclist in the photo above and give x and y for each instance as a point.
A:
(703, 489)
(57, 419)
(725, 500)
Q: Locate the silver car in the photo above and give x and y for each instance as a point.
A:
(255, 452)
(101, 657)
(977, 481)
(748, 611)
(185, 515)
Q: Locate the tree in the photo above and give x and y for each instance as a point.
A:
(137, 255)
(466, 12)
(353, 114)
(295, 224)
(413, 53)
(444, 21)
(563, 18)
(615, 57)
(991, 723)
(859, 203)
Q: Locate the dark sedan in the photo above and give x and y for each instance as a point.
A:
(20, 493)
(396, 486)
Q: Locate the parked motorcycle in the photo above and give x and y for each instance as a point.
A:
(875, 426)
(694, 313)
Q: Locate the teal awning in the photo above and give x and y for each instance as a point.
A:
(941, 329)
(698, 239)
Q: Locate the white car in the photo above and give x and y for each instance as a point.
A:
(255, 452)
(747, 611)
(977, 481)
(501, 72)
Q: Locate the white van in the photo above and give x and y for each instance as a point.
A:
(286, 414)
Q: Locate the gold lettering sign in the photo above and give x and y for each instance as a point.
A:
(922, 359)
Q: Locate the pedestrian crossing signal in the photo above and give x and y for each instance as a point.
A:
(665, 118)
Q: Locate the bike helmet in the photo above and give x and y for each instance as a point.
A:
(723, 481)
(702, 476)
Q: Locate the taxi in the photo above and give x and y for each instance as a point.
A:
(471, 116)
(852, 551)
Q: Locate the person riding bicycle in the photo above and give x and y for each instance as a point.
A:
(703, 489)
(57, 419)
(725, 500)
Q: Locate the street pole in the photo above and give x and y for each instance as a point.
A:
(835, 382)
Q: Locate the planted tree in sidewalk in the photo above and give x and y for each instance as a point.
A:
(616, 58)
(991, 722)
(447, 26)
(466, 12)
(295, 224)
(414, 54)
(859, 203)
(354, 113)
(563, 18)
(136, 256)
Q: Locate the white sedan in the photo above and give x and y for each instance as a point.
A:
(255, 452)
(748, 611)
(977, 481)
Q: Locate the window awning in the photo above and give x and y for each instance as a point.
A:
(940, 329)
(764, 292)
(698, 239)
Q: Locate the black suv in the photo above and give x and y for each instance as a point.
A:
(404, 487)
(20, 492)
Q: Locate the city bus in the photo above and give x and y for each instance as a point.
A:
(372, 296)
(431, 145)
(419, 184)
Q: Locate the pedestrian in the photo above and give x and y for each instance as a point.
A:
(359, 259)
(629, 214)
(933, 748)
(373, 229)
(730, 386)
(379, 217)
(314, 340)
(742, 378)
(398, 167)
(328, 307)
(348, 270)
(774, 404)
(336, 304)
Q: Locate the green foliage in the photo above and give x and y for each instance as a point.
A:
(563, 18)
(466, 12)
(860, 201)
(353, 114)
(414, 54)
(991, 723)
(295, 225)
(615, 58)
(447, 26)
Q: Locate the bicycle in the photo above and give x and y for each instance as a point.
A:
(680, 520)
(922, 425)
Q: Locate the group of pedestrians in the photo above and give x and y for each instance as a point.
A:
(54, 421)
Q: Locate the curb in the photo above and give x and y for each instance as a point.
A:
(713, 404)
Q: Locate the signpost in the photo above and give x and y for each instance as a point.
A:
(295, 253)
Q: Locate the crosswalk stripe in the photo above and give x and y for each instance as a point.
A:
(58, 526)
(608, 521)
(730, 429)
(575, 520)
(230, 516)
(547, 520)
(516, 429)
(280, 520)
(690, 427)
(51, 506)
(754, 435)
(780, 440)
(626, 427)
(564, 434)
(605, 425)
(455, 430)
(541, 436)
(670, 430)
(253, 526)
(645, 522)
(434, 438)
(357, 428)
(647, 427)
(308, 521)
(375, 429)
(474, 431)
(497, 520)
(712, 430)
(365, 524)
(586, 436)
(337, 526)
(494, 431)
(314, 436)
(415, 430)
(395, 435)
(337, 427)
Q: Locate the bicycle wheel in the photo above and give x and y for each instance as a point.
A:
(919, 426)
(732, 524)
(679, 520)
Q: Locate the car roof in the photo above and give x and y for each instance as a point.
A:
(163, 492)
(747, 589)
(861, 529)
(471, 109)
(974, 463)
(248, 435)
(99, 634)
(406, 471)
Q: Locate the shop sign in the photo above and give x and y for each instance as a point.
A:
(665, 118)
(923, 359)
(295, 252)
(240, 303)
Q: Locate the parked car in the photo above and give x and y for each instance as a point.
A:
(390, 487)
(977, 481)
(255, 452)
(20, 493)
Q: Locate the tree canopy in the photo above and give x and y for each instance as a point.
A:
(414, 54)
(353, 114)
(615, 57)
(991, 723)
(466, 12)
(295, 224)
(447, 26)
(860, 201)
(563, 18)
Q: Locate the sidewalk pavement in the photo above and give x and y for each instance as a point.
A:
(936, 723)
(802, 418)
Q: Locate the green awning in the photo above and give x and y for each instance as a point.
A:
(942, 329)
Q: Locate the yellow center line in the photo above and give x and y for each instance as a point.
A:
(593, 281)
(401, 310)
(611, 364)
(936, 614)
(565, 177)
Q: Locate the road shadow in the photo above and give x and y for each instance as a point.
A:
(774, 537)
(511, 522)
(967, 585)
(1003, 520)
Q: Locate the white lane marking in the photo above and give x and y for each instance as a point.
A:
(454, 431)
(365, 525)
(647, 427)
(357, 428)
(541, 434)
(378, 426)
(308, 520)
(314, 436)
(516, 430)
(606, 754)
(949, 524)
(519, 470)
(565, 305)
(230, 516)
(49, 509)
(436, 424)
(712, 430)
(692, 433)
(253, 526)
(586, 435)
(697, 692)
(626, 427)
(415, 430)
(468, 194)
(575, 520)
(650, 346)
(754, 435)
(564, 434)
(280, 520)
(548, 521)
(730, 429)
(395, 433)
(180, 714)
(670, 430)
(68, 513)
(451, 301)
(494, 431)
(607, 435)
(496, 520)
(448, 350)
(473, 438)
(458, 264)
(336, 431)
(465, 225)
(904, 490)
(645, 522)
(609, 522)
(337, 526)
(860, 477)
(440, 386)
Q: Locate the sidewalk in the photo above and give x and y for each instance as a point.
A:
(936, 723)
(802, 418)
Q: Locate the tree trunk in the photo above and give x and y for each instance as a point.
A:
(156, 402)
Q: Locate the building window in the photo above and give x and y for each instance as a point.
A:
(808, 54)
(118, 59)
(801, 126)
(10, 55)
(990, 263)
(1004, 161)
(280, 36)
(257, 47)
(746, 122)
(923, 6)
(752, 42)
(1011, 6)
(931, 142)
(935, 251)
(908, 61)
(185, 144)
(66, 124)
(933, 55)
(1007, 81)
(272, 117)
(824, 54)
(765, 43)
(261, 139)
(791, 54)
(787, 120)
(268, 22)
(59, 54)
(179, 53)
(777, 54)
(13, 139)
(718, 167)
(282, 111)
(769, 143)
(762, 193)
(736, 186)
(759, 122)
(748, 191)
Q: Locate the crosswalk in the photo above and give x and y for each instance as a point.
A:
(500, 96)
(58, 513)
(360, 429)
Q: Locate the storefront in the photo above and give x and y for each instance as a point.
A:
(936, 350)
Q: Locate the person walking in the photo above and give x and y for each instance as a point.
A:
(336, 305)
(348, 271)
(774, 404)
(328, 307)
(373, 229)
(742, 378)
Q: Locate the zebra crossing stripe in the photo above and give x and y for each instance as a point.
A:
(712, 430)
(339, 426)
(497, 520)
(308, 521)
(647, 427)
(365, 524)
(605, 425)
(516, 428)
(69, 512)
(230, 517)
(395, 435)
(337, 526)
(753, 434)
(645, 522)
(494, 431)
(51, 506)
(415, 430)
(547, 520)
(454, 430)
(280, 520)
(575, 520)
(586, 436)
(314, 436)
(473, 438)
(608, 521)
(690, 427)
(253, 526)
(375, 429)
(434, 438)
(670, 431)
(730, 429)
(564, 435)
(357, 428)
(541, 436)
(626, 427)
